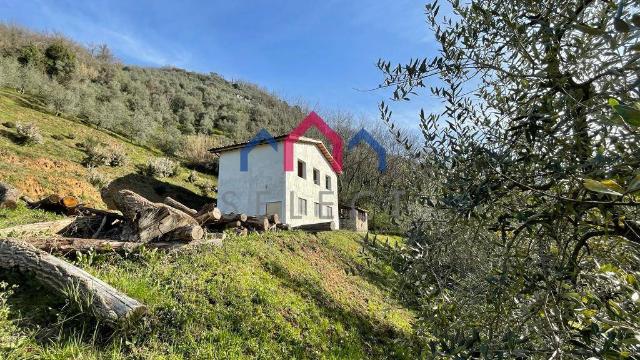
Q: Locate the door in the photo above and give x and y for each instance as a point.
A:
(274, 207)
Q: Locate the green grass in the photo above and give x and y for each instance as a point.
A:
(23, 215)
(284, 295)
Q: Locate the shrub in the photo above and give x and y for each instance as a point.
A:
(9, 124)
(161, 167)
(207, 188)
(96, 178)
(195, 152)
(99, 154)
(192, 178)
(28, 134)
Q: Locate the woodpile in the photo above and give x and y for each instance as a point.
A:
(131, 223)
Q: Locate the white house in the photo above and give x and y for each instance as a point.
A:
(307, 195)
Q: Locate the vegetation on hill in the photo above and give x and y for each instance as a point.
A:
(77, 159)
(286, 295)
(147, 105)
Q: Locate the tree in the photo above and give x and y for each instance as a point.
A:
(536, 158)
(60, 61)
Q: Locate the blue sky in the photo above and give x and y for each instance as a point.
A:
(321, 53)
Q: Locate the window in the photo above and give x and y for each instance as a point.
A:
(316, 209)
(316, 176)
(329, 212)
(302, 206)
(327, 180)
(302, 169)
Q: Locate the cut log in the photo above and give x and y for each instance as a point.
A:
(208, 214)
(105, 302)
(49, 227)
(66, 246)
(324, 226)
(241, 231)
(65, 205)
(274, 219)
(233, 217)
(186, 233)
(146, 220)
(84, 210)
(260, 223)
(8, 196)
(180, 206)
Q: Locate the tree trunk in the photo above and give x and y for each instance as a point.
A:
(186, 233)
(233, 217)
(180, 206)
(67, 246)
(208, 214)
(325, 226)
(49, 227)
(65, 205)
(106, 303)
(260, 223)
(146, 220)
(8, 196)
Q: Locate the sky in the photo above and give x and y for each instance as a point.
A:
(318, 53)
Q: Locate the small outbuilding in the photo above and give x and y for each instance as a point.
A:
(354, 218)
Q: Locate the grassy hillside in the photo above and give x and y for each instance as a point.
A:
(285, 295)
(56, 165)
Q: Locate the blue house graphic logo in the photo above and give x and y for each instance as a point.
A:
(263, 136)
(363, 135)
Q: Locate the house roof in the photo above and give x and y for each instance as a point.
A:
(305, 140)
(353, 207)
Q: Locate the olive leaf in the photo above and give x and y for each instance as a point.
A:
(634, 184)
(603, 188)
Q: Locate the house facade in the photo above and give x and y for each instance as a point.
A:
(306, 195)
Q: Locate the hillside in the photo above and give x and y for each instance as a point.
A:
(152, 106)
(56, 164)
(286, 295)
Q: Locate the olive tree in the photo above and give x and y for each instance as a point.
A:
(528, 199)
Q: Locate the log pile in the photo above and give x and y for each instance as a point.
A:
(132, 223)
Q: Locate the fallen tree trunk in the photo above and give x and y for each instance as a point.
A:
(49, 227)
(106, 303)
(8, 196)
(180, 206)
(324, 226)
(146, 220)
(67, 246)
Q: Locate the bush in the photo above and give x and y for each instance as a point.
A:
(100, 155)
(161, 167)
(192, 178)
(207, 188)
(96, 178)
(195, 152)
(28, 134)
